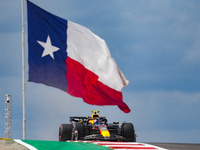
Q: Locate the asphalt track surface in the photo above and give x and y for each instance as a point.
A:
(12, 145)
(177, 146)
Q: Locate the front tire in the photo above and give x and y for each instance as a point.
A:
(128, 132)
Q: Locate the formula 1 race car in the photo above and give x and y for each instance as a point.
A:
(96, 128)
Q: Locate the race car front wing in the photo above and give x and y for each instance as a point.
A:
(101, 138)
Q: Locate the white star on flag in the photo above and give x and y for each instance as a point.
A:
(48, 47)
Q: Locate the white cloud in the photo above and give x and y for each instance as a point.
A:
(193, 54)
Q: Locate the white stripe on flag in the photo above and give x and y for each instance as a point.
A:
(92, 52)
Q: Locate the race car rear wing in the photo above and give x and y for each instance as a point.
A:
(85, 119)
(78, 119)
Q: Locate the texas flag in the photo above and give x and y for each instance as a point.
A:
(68, 56)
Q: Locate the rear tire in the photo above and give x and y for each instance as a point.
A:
(128, 132)
(65, 132)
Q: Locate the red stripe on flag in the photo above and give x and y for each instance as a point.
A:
(84, 83)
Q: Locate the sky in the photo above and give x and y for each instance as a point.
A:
(156, 44)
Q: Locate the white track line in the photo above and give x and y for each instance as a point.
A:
(26, 145)
(159, 148)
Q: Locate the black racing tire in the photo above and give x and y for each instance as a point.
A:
(65, 132)
(80, 128)
(128, 132)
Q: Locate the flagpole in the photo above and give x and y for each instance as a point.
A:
(23, 73)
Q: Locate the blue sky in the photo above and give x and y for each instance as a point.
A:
(154, 42)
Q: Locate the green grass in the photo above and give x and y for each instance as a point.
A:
(56, 145)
